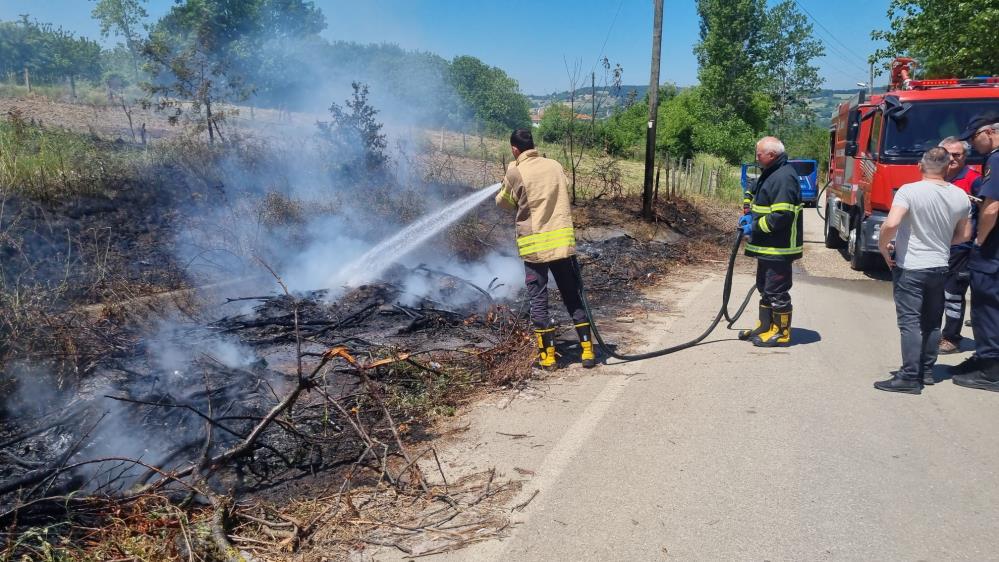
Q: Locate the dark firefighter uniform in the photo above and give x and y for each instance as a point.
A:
(957, 269)
(537, 189)
(775, 242)
(982, 370)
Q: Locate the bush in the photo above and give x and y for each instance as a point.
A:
(47, 164)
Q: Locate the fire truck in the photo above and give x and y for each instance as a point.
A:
(876, 142)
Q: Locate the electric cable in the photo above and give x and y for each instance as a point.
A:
(723, 312)
(832, 36)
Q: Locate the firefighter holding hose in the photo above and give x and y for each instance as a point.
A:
(537, 190)
(774, 227)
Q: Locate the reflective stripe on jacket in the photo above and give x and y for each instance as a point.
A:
(537, 189)
(776, 209)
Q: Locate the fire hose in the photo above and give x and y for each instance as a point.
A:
(723, 312)
(818, 198)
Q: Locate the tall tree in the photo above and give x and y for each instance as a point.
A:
(208, 52)
(948, 38)
(49, 54)
(730, 33)
(493, 97)
(787, 49)
(123, 18)
(74, 57)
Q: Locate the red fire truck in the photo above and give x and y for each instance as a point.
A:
(875, 145)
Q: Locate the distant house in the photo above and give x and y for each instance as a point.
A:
(536, 115)
(539, 113)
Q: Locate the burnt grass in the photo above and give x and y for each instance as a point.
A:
(408, 365)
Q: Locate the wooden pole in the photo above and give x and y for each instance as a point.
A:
(650, 135)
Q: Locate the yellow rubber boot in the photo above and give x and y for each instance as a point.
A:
(587, 357)
(762, 325)
(779, 334)
(546, 348)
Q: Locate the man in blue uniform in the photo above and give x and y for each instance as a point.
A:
(981, 371)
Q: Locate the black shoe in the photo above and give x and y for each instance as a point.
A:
(896, 384)
(927, 379)
(987, 378)
(969, 365)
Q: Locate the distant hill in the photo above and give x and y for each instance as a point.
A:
(608, 98)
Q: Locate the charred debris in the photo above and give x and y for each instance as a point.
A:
(301, 420)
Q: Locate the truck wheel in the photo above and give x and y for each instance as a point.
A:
(832, 238)
(859, 259)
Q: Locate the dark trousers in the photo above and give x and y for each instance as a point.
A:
(537, 290)
(985, 313)
(773, 281)
(919, 302)
(956, 286)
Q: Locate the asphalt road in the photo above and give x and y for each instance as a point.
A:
(728, 452)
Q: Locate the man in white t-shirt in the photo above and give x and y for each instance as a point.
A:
(926, 218)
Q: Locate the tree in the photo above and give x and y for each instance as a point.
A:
(692, 123)
(787, 49)
(73, 57)
(49, 54)
(948, 38)
(727, 53)
(124, 18)
(808, 141)
(355, 137)
(492, 97)
(207, 52)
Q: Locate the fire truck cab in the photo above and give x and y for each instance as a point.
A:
(875, 145)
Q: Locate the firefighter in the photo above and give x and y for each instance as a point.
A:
(965, 177)
(775, 232)
(537, 189)
(981, 370)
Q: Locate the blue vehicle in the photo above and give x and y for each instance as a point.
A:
(808, 177)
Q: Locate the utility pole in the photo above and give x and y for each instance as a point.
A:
(593, 104)
(870, 82)
(650, 139)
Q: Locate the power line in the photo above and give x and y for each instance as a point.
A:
(832, 49)
(607, 37)
(853, 75)
(830, 34)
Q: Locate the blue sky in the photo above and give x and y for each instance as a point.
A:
(532, 41)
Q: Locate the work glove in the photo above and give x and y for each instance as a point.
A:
(746, 224)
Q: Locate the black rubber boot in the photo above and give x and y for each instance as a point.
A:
(986, 378)
(779, 334)
(762, 325)
(897, 384)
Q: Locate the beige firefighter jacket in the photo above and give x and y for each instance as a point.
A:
(537, 189)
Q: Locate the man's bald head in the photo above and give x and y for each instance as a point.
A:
(768, 150)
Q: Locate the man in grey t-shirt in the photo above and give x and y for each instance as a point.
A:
(926, 218)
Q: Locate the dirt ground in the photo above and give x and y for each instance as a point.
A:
(112, 121)
(623, 257)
